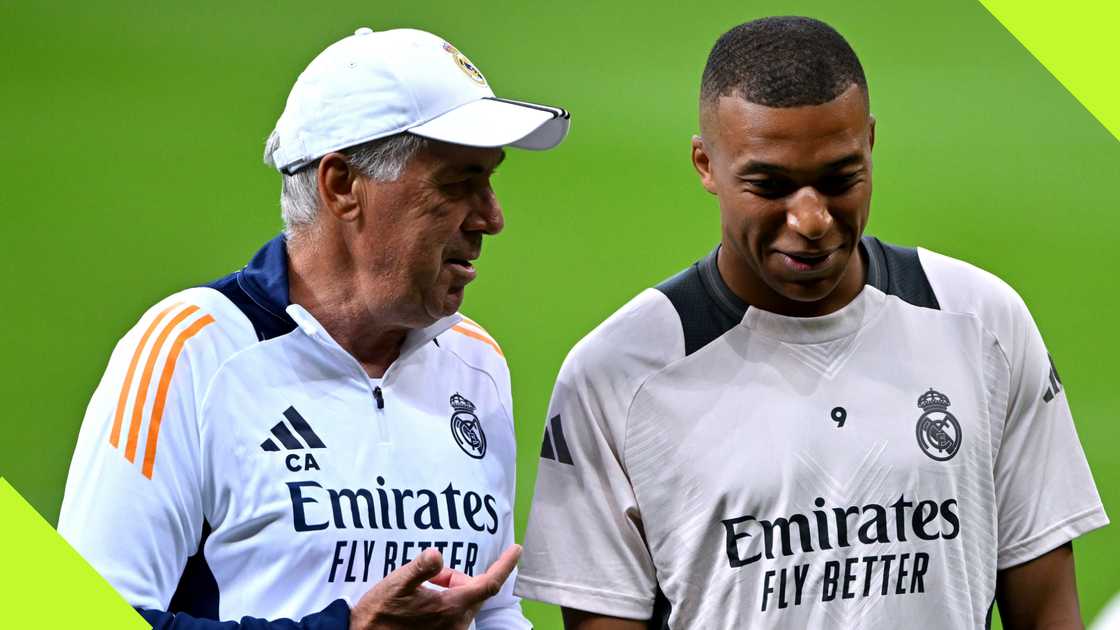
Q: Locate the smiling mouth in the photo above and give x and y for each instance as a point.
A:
(803, 262)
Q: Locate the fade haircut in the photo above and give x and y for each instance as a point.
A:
(781, 62)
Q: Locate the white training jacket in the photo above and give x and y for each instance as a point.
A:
(235, 463)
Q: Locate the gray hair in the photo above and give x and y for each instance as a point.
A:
(381, 160)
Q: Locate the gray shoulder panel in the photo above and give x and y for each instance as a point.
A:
(706, 311)
(898, 271)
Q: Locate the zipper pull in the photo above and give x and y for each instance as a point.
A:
(378, 397)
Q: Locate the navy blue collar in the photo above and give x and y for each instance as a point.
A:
(265, 278)
(260, 290)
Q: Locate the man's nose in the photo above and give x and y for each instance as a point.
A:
(808, 213)
(486, 216)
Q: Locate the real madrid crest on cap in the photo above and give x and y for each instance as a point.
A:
(939, 433)
(466, 428)
(465, 64)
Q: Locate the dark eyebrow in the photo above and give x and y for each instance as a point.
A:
(754, 166)
(847, 160)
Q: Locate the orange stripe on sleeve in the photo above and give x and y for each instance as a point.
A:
(115, 435)
(146, 380)
(463, 330)
(161, 391)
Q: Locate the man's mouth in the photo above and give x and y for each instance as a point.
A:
(462, 268)
(806, 261)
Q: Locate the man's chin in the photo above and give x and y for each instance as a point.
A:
(451, 302)
(805, 295)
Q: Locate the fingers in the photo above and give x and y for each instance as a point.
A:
(443, 578)
(504, 565)
(488, 584)
(426, 566)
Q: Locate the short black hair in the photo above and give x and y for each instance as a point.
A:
(781, 62)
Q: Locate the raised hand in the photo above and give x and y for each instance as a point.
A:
(401, 601)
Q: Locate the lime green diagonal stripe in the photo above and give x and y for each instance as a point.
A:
(1076, 41)
(45, 583)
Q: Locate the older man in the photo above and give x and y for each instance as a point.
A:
(275, 443)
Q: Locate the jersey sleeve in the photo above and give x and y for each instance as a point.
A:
(1045, 493)
(584, 548)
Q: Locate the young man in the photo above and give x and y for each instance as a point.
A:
(321, 433)
(808, 428)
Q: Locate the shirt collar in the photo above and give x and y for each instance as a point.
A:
(265, 278)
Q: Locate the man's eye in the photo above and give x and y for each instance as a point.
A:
(768, 187)
(838, 184)
(458, 187)
(466, 187)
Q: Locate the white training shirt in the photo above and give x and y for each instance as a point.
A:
(231, 430)
(871, 468)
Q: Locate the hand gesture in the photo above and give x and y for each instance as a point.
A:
(401, 601)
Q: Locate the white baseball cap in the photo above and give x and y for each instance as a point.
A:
(375, 84)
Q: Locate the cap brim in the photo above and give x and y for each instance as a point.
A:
(496, 122)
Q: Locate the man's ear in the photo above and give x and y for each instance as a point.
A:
(872, 125)
(702, 162)
(338, 187)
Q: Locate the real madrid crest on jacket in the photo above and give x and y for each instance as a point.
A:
(315, 478)
(871, 468)
(466, 427)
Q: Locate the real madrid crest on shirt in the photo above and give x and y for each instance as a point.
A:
(466, 428)
(939, 433)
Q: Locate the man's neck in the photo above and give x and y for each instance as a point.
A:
(328, 290)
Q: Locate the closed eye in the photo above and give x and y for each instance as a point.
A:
(833, 185)
(769, 187)
(466, 186)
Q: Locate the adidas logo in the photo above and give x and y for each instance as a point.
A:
(554, 446)
(1055, 382)
(287, 439)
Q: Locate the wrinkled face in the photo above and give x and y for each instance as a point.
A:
(419, 235)
(794, 189)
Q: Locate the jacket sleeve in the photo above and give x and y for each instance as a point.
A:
(336, 616)
(503, 611)
(134, 505)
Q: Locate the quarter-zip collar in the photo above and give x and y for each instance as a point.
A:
(415, 338)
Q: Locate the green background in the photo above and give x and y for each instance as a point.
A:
(132, 135)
